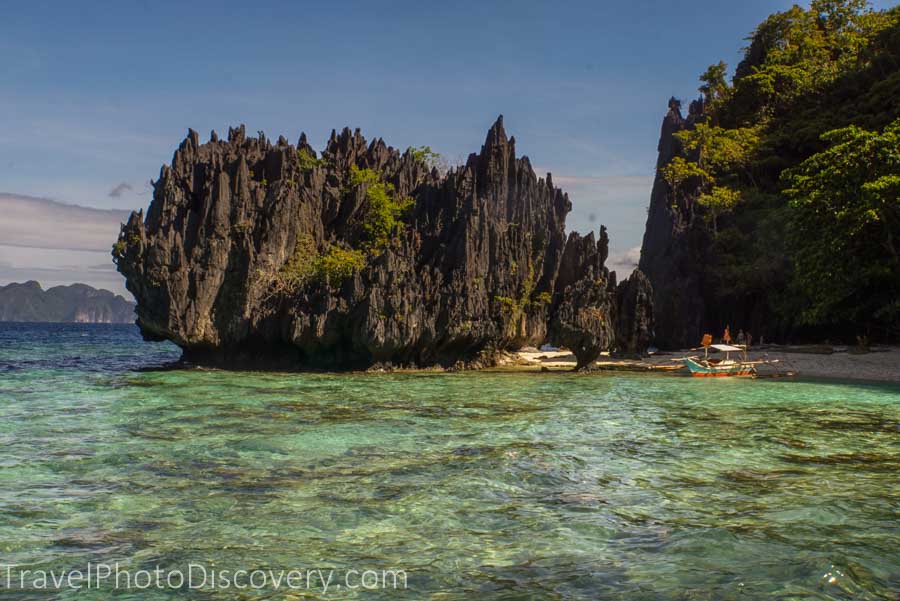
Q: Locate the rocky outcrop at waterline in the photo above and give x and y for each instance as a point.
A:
(269, 253)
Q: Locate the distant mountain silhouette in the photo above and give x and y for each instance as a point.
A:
(75, 303)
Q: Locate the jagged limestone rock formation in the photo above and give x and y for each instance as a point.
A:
(584, 316)
(634, 325)
(669, 251)
(269, 254)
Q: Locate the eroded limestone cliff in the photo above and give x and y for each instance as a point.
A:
(260, 253)
(673, 246)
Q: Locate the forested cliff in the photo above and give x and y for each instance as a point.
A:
(775, 206)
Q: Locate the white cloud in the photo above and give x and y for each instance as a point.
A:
(623, 263)
(56, 243)
(43, 223)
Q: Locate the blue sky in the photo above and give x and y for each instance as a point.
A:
(96, 96)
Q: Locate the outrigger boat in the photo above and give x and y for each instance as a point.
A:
(709, 368)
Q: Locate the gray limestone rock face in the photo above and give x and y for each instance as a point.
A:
(479, 263)
(672, 247)
(634, 322)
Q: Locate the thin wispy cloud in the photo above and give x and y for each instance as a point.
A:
(34, 222)
(56, 243)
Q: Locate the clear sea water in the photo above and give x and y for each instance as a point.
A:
(478, 485)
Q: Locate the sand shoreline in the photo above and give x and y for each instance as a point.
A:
(881, 364)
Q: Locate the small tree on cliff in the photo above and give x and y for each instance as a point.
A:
(714, 84)
(385, 211)
(717, 201)
(678, 171)
(718, 156)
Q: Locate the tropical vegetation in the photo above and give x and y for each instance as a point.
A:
(793, 168)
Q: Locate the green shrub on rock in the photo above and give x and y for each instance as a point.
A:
(385, 208)
(300, 267)
(337, 264)
(307, 161)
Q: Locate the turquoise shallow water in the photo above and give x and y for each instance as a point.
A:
(478, 485)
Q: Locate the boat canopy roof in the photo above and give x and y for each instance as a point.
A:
(726, 347)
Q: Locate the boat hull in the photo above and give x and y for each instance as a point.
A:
(732, 369)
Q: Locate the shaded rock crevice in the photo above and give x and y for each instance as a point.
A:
(478, 264)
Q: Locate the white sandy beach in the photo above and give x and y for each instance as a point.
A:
(880, 364)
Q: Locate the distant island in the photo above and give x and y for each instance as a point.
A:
(77, 303)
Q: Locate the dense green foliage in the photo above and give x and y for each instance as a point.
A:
(337, 264)
(423, 153)
(118, 250)
(719, 200)
(385, 208)
(679, 171)
(360, 177)
(849, 194)
(299, 268)
(431, 159)
(307, 161)
(332, 267)
(381, 218)
(813, 97)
